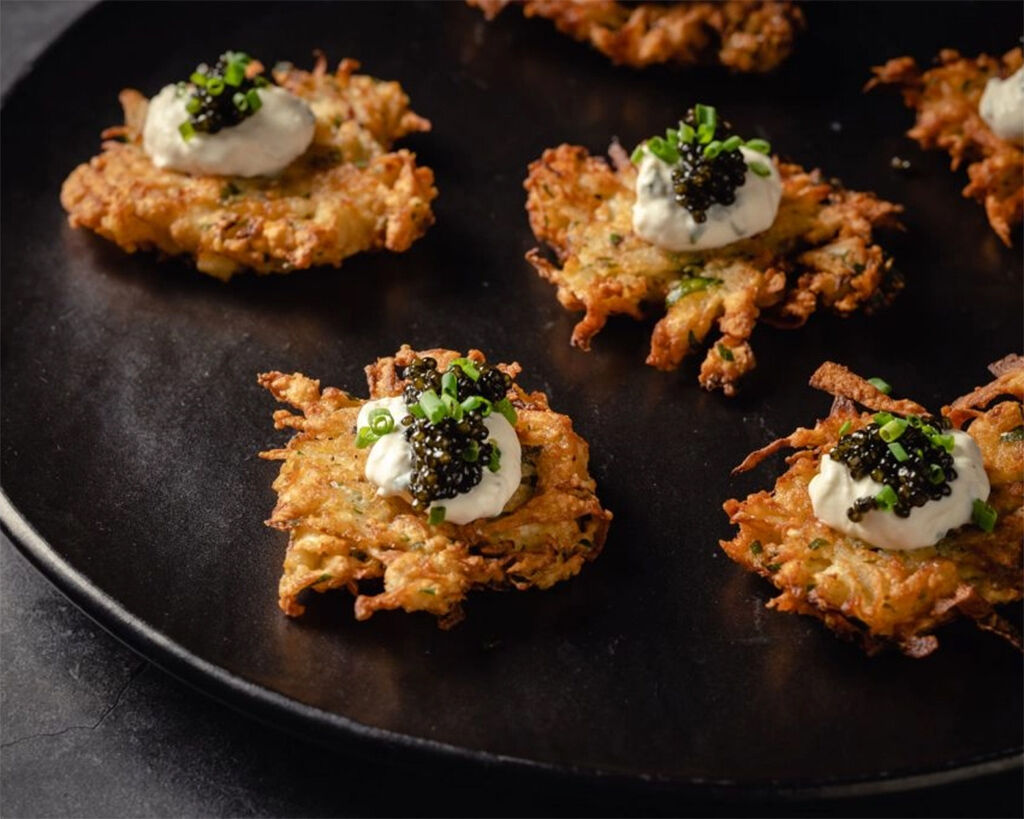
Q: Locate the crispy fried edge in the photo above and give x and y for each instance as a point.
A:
(998, 162)
(382, 377)
(846, 387)
(744, 36)
(769, 297)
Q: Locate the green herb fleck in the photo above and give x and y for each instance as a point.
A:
(817, 543)
(724, 352)
(691, 284)
(756, 547)
(983, 515)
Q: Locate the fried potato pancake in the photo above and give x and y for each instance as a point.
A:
(743, 36)
(819, 250)
(347, 193)
(946, 100)
(342, 533)
(879, 597)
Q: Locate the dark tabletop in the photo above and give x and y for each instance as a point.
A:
(91, 729)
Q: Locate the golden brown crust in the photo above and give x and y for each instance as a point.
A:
(348, 193)
(819, 251)
(744, 36)
(874, 596)
(342, 533)
(946, 100)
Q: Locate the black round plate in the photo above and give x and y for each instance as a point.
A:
(131, 415)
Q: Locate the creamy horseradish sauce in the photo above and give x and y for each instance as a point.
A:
(1002, 106)
(389, 465)
(227, 120)
(261, 145)
(661, 221)
(702, 186)
(834, 491)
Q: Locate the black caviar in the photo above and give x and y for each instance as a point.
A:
(222, 95)
(450, 453)
(910, 456)
(700, 181)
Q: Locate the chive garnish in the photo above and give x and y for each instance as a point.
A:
(817, 543)
(898, 452)
(845, 428)
(756, 547)
(494, 464)
(936, 474)
(759, 168)
(450, 384)
(892, 430)
(724, 352)
(432, 406)
(688, 285)
(381, 421)
(468, 367)
(983, 515)
(762, 146)
(186, 130)
(436, 517)
(887, 497)
(881, 385)
(471, 453)
(477, 402)
(504, 406)
(365, 437)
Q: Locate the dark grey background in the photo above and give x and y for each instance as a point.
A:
(90, 729)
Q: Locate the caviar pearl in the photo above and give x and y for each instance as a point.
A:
(834, 491)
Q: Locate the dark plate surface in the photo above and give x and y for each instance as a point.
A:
(131, 417)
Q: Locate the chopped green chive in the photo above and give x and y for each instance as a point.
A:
(432, 406)
(712, 149)
(468, 367)
(638, 154)
(198, 78)
(471, 453)
(881, 385)
(381, 421)
(732, 143)
(450, 384)
(416, 411)
(365, 437)
(253, 98)
(817, 543)
(706, 116)
(452, 407)
(845, 428)
(477, 402)
(240, 102)
(886, 498)
(186, 130)
(883, 418)
(436, 516)
(724, 352)
(892, 430)
(686, 133)
(691, 284)
(936, 474)
(898, 452)
(215, 85)
(759, 168)
(762, 146)
(945, 441)
(494, 464)
(756, 547)
(193, 105)
(1014, 435)
(504, 406)
(983, 515)
(664, 151)
(235, 73)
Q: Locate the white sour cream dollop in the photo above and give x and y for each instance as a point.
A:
(260, 145)
(833, 490)
(389, 465)
(658, 219)
(1002, 106)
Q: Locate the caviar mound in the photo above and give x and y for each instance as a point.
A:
(341, 533)
(946, 101)
(820, 251)
(346, 194)
(741, 35)
(877, 597)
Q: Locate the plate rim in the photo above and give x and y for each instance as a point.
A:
(335, 730)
